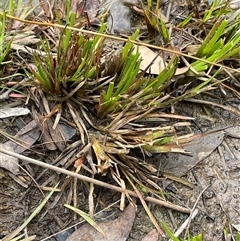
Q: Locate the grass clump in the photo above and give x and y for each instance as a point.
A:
(76, 61)
(124, 102)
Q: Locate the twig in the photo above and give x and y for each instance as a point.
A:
(118, 38)
(5, 95)
(194, 207)
(94, 181)
(192, 215)
(185, 224)
(225, 107)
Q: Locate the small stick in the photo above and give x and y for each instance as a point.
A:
(94, 181)
(185, 224)
(121, 39)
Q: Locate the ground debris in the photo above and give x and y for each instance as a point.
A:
(117, 230)
(9, 112)
(151, 236)
(199, 149)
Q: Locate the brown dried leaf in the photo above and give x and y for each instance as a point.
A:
(117, 230)
(45, 137)
(202, 145)
(192, 49)
(151, 236)
(104, 161)
(16, 111)
(233, 131)
(149, 57)
(8, 162)
(180, 71)
(56, 134)
(25, 138)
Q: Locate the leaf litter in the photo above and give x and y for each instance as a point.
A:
(117, 229)
(10, 112)
(200, 147)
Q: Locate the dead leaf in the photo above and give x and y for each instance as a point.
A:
(103, 160)
(117, 230)
(24, 38)
(29, 50)
(67, 131)
(180, 71)
(51, 137)
(151, 236)
(192, 49)
(45, 137)
(233, 131)
(56, 134)
(8, 162)
(25, 138)
(201, 147)
(9, 112)
(148, 58)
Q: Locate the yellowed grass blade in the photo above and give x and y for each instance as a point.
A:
(86, 217)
